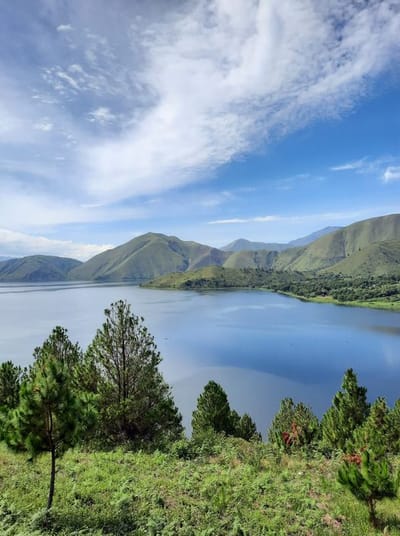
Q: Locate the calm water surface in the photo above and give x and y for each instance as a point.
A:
(260, 346)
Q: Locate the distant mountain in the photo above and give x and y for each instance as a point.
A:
(36, 268)
(241, 244)
(252, 259)
(246, 245)
(5, 258)
(146, 257)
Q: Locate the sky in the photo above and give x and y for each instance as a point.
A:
(210, 120)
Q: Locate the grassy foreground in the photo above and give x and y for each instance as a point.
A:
(241, 489)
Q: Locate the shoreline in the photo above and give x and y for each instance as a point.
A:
(367, 304)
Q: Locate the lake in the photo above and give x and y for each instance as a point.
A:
(260, 346)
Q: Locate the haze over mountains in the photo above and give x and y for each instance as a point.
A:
(369, 247)
(246, 245)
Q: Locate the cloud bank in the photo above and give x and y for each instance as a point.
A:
(20, 244)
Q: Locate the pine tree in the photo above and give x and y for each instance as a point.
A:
(213, 412)
(369, 479)
(135, 403)
(11, 377)
(294, 426)
(394, 427)
(374, 434)
(247, 428)
(51, 416)
(61, 348)
(10, 380)
(348, 411)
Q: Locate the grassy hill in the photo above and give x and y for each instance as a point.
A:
(334, 248)
(380, 258)
(146, 257)
(239, 488)
(251, 259)
(36, 268)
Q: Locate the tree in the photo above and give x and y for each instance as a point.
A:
(11, 377)
(135, 403)
(51, 415)
(348, 411)
(375, 432)
(10, 381)
(370, 479)
(213, 412)
(61, 348)
(294, 426)
(246, 428)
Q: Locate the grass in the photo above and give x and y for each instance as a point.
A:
(241, 489)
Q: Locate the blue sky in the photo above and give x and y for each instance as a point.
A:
(210, 120)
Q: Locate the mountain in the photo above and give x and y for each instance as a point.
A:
(146, 257)
(252, 259)
(246, 245)
(335, 247)
(4, 258)
(36, 268)
(379, 258)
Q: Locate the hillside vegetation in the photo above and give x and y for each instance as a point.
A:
(37, 268)
(238, 488)
(382, 291)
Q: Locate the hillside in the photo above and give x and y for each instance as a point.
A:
(251, 259)
(36, 268)
(246, 245)
(380, 258)
(236, 488)
(146, 257)
(334, 248)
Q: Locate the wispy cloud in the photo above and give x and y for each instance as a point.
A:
(64, 28)
(356, 164)
(176, 94)
(21, 244)
(392, 173)
(303, 218)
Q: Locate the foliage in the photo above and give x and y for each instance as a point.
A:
(382, 289)
(135, 403)
(50, 416)
(213, 411)
(348, 411)
(136, 493)
(59, 346)
(370, 479)
(246, 428)
(10, 380)
(375, 432)
(294, 426)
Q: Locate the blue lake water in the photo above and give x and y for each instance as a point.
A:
(260, 346)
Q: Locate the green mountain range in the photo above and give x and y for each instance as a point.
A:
(36, 268)
(369, 247)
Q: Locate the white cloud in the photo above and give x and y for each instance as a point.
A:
(18, 244)
(44, 125)
(392, 173)
(64, 28)
(101, 115)
(302, 218)
(357, 164)
(228, 74)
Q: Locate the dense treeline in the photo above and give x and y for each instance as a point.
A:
(308, 285)
(114, 395)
